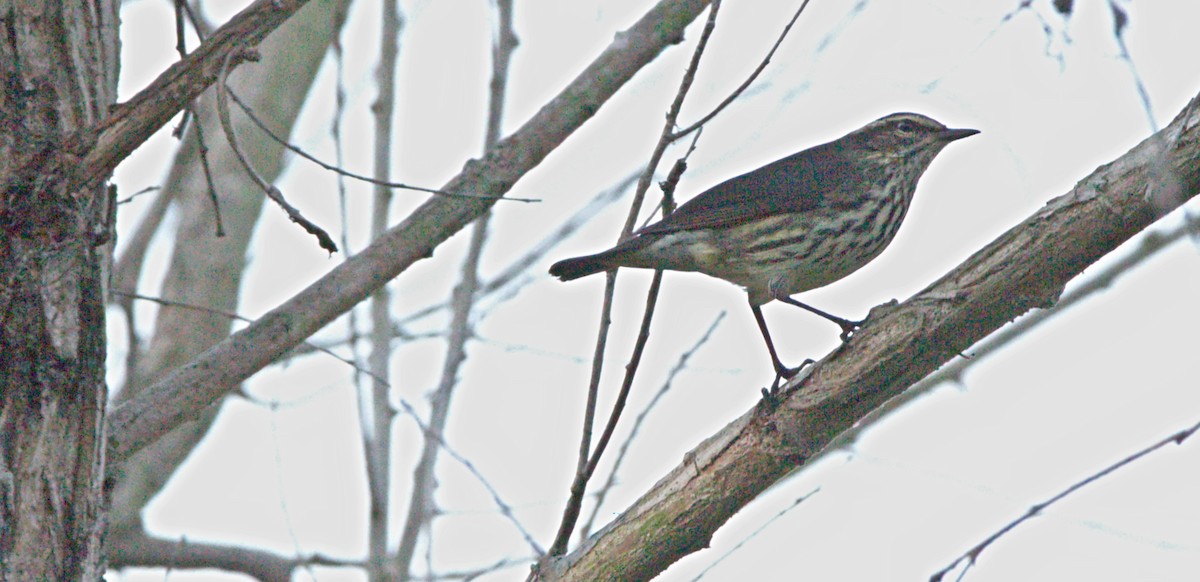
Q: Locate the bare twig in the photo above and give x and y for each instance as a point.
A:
(610, 482)
(276, 447)
(170, 303)
(420, 509)
(972, 555)
(477, 572)
(1120, 20)
(738, 546)
(378, 419)
(337, 169)
(181, 9)
(630, 372)
(126, 271)
(131, 549)
(271, 191)
(201, 25)
(202, 152)
(586, 460)
(749, 80)
(639, 347)
(1047, 29)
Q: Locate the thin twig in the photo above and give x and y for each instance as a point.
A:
(972, 555)
(130, 548)
(138, 194)
(467, 575)
(127, 270)
(586, 461)
(280, 485)
(189, 112)
(202, 153)
(643, 337)
(202, 26)
(1120, 20)
(630, 372)
(421, 510)
(680, 366)
(180, 304)
(738, 546)
(337, 169)
(749, 80)
(272, 192)
(181, 48)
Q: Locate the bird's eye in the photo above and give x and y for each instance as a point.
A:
(906, 127)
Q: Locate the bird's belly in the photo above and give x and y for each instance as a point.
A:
(779, 255)
(791, 254)
(686, 250)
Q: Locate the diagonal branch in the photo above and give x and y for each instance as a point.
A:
(188, 389)
(1024, 268)
(90, 155)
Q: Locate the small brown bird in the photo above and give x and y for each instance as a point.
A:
(793, 225)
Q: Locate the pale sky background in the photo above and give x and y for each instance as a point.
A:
(1096, 383)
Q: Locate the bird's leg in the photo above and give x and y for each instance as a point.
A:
(848, 326)
(781, 372)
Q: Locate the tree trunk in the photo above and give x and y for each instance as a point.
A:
(59, 62)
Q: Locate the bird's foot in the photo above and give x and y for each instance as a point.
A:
(849, 327)
(783, 373)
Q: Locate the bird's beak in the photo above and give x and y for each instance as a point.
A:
(950, 135)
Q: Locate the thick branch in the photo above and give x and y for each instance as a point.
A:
(90, 155)
(1026, 267)
(183, 392)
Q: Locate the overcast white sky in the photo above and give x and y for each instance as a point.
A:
(1105, 378)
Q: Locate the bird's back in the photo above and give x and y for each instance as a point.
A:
(801, 182)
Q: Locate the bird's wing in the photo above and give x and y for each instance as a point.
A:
(797, 183)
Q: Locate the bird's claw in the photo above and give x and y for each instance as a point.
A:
(849, 327)
(784, 373)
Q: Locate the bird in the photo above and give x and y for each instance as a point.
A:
(794, 225)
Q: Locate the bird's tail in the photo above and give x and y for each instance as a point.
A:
(626, 254)
(574, 268)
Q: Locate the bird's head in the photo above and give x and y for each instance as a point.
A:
(902, 137)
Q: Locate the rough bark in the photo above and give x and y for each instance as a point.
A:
(88, 154)
(59, 63)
